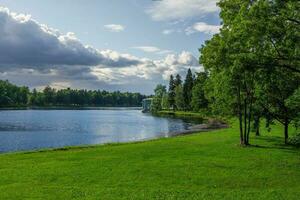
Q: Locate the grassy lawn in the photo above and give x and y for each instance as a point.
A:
(199, 166)
(181, 114)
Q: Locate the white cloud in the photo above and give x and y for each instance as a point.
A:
(155, 70)
(152, 49)
(114, 27)
(180, 9)
(139, 78)
(149, 49)
(26, 42)
(36, 55)
(204, 28)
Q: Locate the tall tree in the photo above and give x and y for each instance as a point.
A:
(178, 80)
(199, 101)
(179, 98)
(259, 39)
(187, 89)
(171, 92)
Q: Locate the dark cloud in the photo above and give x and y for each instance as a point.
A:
(24, 42)
(35, 55)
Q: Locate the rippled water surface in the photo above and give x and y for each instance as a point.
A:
(38, 129)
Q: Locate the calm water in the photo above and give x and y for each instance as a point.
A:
(38, 129)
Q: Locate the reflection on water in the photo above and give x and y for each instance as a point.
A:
(37, 129)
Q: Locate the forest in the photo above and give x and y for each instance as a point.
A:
(14, 96)
(251, 69)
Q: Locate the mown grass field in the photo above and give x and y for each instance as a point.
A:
(200, 166)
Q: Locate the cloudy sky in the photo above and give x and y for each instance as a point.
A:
(127, 45)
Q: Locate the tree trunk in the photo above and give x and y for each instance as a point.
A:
(249, 120)
(245, 122)
(240, 116)
(257, 123)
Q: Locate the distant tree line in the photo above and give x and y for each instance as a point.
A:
(187, 95)
(252, 68)
(12, 95)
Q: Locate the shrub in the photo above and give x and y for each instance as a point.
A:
(295, 141)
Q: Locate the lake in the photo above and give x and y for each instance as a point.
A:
(38, 129)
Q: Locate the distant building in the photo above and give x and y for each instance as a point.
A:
(146, 103)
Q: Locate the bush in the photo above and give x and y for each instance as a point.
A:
(295, 141)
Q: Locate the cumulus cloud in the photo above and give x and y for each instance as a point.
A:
(204, 28)
(142, 77)
(114, 27)
(154, 70)
(26, 42)
(36, 55)
(181, 9)
(149, 49)
(152, 49)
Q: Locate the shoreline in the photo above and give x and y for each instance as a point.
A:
(72, 108)
(199, 125)
(194, 129)
(201, 128)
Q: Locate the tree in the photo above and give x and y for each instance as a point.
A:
(187, 89)
(199, 101)
(165, 102)
(293, 103)
(278, 88)
(156, 104)
(226, 57)
(12, 95)
(258, 40)
(171, 92)
(178, 80)
(33, 97)
(258, 113)
(179, 98)
(225, 66)
(49, 95)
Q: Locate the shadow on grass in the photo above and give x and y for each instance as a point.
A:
(275, 142)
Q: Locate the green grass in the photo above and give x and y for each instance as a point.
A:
(181, 114)
(199, 166)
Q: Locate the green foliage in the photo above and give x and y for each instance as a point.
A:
(178, 80)
(11, 95)
(256, 58)
(171, 92)
(199, 101)
(295, 140)
(165, 102)
(187, 89)
(220, 94)
(277, 95)
(156, 104)
(179, 98)
(293, 103)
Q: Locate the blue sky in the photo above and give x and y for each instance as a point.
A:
(161, 37)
